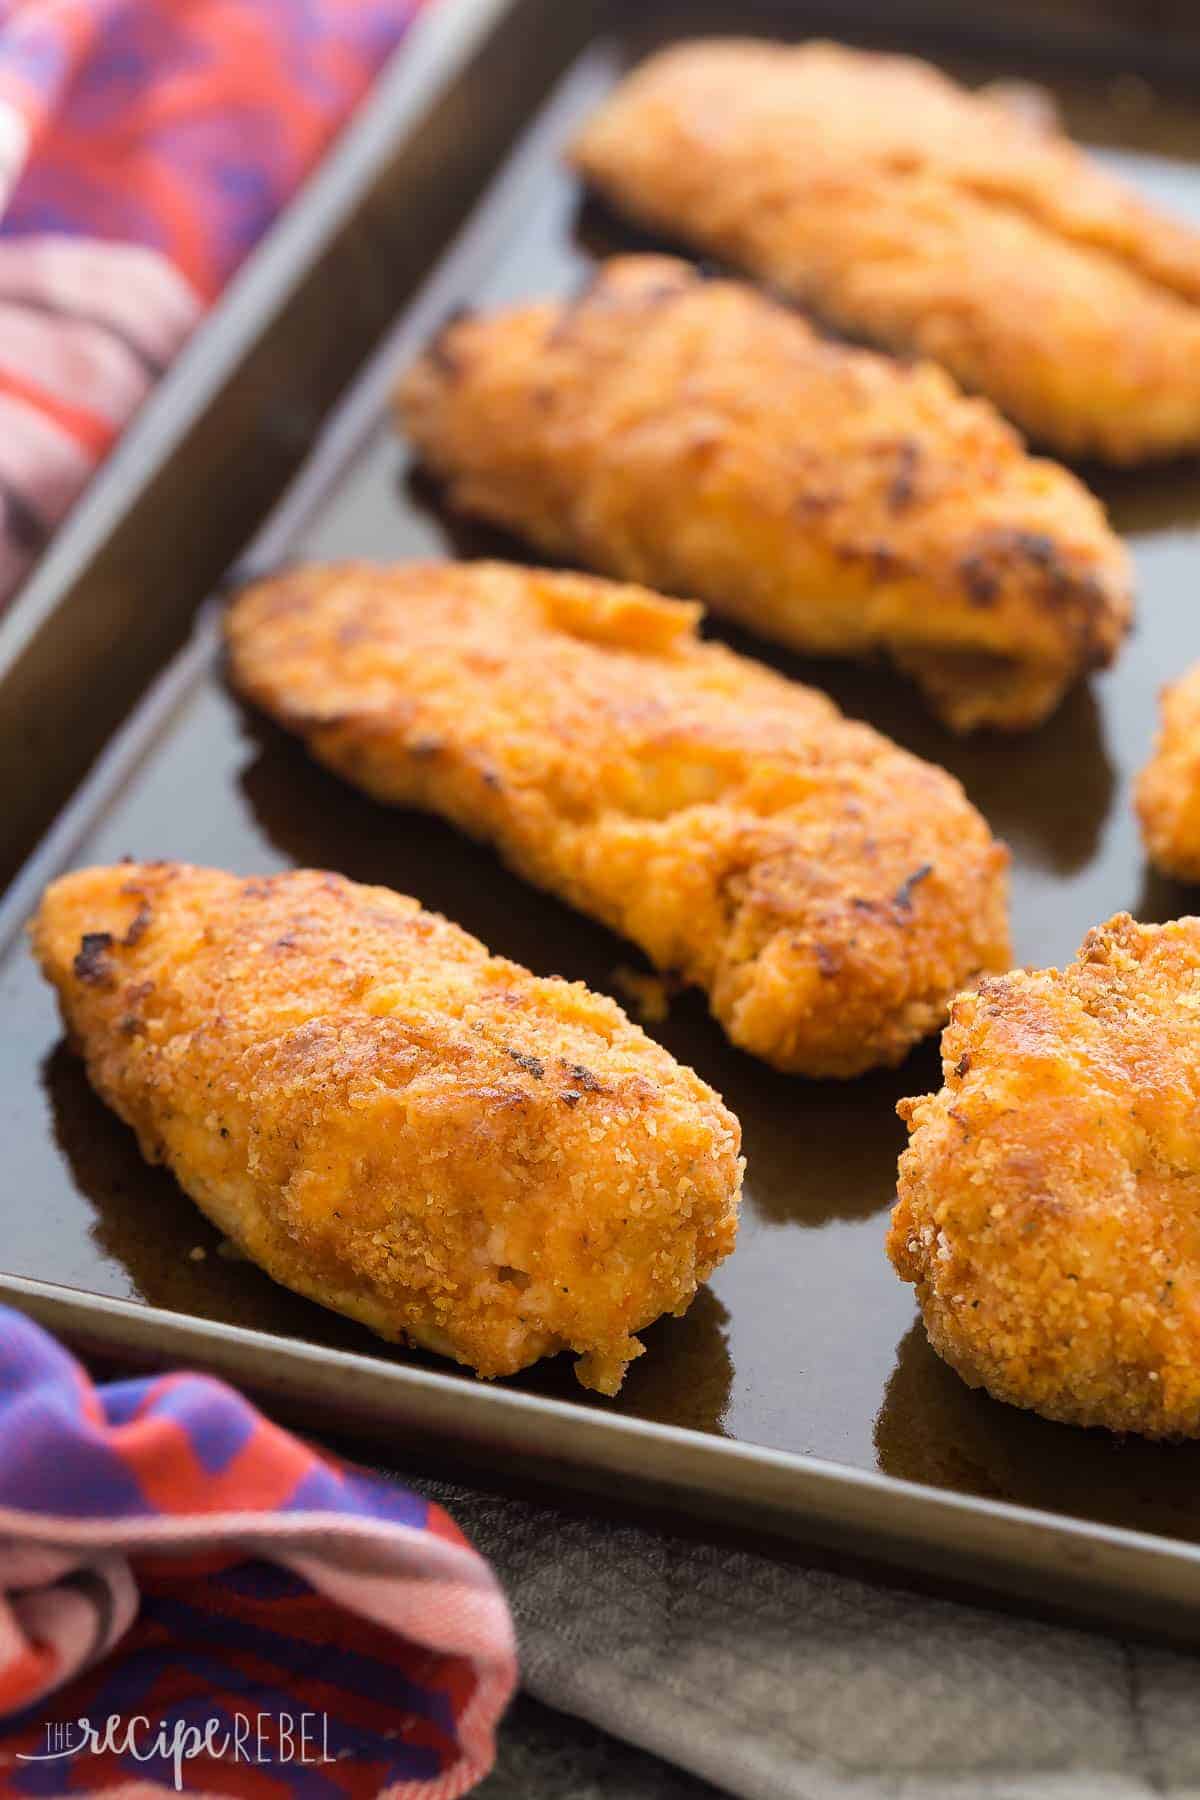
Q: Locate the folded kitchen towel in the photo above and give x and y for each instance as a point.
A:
(776, 1681)
(193, 1600)
(145, 146)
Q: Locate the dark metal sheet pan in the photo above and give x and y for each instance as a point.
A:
(798, 1394)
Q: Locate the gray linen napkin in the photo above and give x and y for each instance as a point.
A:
(778, 1682)
(547, 1755)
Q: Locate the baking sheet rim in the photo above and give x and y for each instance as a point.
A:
(475, 1411)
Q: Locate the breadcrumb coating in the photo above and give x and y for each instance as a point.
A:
(1048, 1201)
(913, 213)
(693, 435)
(391, 1121)
(1168, 789)
(829, 891)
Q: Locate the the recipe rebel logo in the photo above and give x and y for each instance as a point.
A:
(263, 1739)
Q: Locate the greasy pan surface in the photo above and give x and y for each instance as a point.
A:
(806, 1341)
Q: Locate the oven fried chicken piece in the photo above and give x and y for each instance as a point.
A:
(910, 212)
(391, 1121)
(1168, 788)
(1049, 1197)
(829, 891)
(698, 437)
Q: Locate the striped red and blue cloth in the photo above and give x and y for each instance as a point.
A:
(145, 146)
(192, 1600)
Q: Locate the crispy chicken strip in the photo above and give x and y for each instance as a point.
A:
(1168, 788)
(695, 436)
(391, 1121)
(829, 891)
(925, 218)
(1049, 1199)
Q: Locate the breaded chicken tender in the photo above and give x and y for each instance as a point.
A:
(922, 217)
(693, 435)
(1049, 1198)
(1168, 788)
(391, 1121)
(827, 890)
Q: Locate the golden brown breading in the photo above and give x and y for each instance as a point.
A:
(1168, 788)
(390, 1120)
(695, 436)
(829, 891)
(910, 212)
(1049, 1199)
